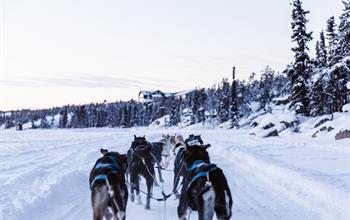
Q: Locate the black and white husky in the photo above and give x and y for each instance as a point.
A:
(141, 164)
(109, 193)
(205, 188)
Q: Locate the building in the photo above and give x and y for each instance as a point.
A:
(151, 96)
(157, 96)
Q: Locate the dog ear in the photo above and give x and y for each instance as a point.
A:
(103, 151)
(206, 146)
(134, 136)
(178, 145)
(144, 136)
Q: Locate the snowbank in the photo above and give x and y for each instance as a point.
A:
(271, 124)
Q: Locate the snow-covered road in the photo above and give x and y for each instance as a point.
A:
(44, 174)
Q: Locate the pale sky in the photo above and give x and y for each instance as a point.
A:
(56, 52)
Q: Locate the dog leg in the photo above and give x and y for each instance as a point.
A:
(183, 217)
(207, 204)
(149, 183)
(176, 182)
(160, 175)
(139, 200)
(121, 215)
(100, 201)
(183, 206)
(156, 183)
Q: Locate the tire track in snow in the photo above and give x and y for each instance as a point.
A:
(312, 197)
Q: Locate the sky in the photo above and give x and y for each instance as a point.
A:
(56, 52)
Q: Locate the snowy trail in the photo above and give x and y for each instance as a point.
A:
(44, 174)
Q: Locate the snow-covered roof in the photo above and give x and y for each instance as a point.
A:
(154, 93)
(169, 94)
(184, 92)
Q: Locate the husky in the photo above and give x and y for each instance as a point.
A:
(109, 193)
(205, 188)
(141, 163)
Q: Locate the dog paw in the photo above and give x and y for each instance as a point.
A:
(139, 201)
(132, 197)
(147, 207)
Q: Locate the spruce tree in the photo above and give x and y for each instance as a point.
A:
(344, 30)
(338, 64)
(321, 51)
(341, 70)
(223, 108)
(234, 117)
(299, 75)
(266, 90)
(317, 93)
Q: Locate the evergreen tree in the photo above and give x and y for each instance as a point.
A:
(63, 119)
(242, 99)
(317, 94)
(175, 116)
(344, 30)
(300, 73)
(234, 115)
(321, 52)
(266, 90)
(44, 123)
(339, 65)
(318, 98)
(332, 40)
(223, 108)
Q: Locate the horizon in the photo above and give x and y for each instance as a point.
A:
(64, 53)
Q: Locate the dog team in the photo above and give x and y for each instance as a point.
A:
(198, 184)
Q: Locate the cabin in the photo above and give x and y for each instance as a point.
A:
(19, 126)
(157, 96)
(151, 96)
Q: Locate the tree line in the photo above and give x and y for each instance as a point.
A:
(311, 86)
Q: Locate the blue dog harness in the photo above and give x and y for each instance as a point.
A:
(112, 166)
(200, 169)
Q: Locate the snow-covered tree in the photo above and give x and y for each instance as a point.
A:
(266, 89)
(321, 51)
(299, 75)
(339, 61)
(234, 114)
(332, 39)
(223, 93)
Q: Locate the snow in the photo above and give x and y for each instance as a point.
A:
(44, 173)
(348, 85)
(346, 108)
(160, 122)
(278, 121)
(338, 122)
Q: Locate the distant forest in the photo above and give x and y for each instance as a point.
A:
(311, 86)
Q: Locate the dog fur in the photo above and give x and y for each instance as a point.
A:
(109, 202)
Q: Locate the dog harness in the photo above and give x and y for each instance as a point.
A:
(200, 169)
(112, 166)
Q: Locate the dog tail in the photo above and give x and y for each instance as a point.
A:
(223, 198)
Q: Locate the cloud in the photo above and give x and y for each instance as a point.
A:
(88, 81)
